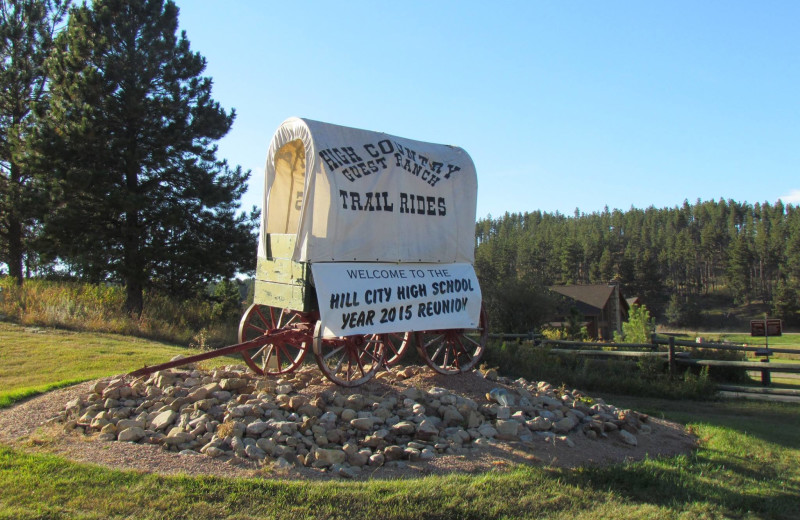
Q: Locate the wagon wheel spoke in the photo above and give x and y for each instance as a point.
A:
(258, 330)
(350, 360)
(456, 350)
(396, 346)
(279, 322)
(358, 361)
(438, 352)
(264, 353)
(447, 355)
(462, 349)
(270, 358)
(475, 343)
(291, 319)
(338, 366)
(282, 354)
(333, 353)
(368, 355)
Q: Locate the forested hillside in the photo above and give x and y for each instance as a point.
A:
(672, 258)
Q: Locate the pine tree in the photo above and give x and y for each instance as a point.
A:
(739, 264)
(638, 328)
(786, 303)
(139, 194)
(27, 28)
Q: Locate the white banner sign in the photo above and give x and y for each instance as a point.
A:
(369, 298)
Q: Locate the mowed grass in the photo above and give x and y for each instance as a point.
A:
(786, 340)
(35, 360)
(789, 340)
(747, 466)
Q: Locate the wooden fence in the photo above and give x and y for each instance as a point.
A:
(671, 354)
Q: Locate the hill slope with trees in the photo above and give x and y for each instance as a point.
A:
(674, 259)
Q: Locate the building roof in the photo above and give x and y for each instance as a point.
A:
(595, 295)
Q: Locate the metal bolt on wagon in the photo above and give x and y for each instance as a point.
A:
(366, 245)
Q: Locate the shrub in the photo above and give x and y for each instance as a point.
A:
(638, 328)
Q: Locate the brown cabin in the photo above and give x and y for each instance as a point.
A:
(602, 305)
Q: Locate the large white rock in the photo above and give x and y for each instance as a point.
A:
(404, 428)
(325, 457)
(363, 424)
(565, 425)
(507, 428)
(164, 419)
(176, 438)
(256, 428)
(539, 424)
(451, 416)
(131, 434)
(254, 452)
(124, 424)
(628, 438)
(487, 430)
(427, 430)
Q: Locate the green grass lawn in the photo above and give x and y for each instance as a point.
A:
(747, 466)
(787, 340)
(36, 360)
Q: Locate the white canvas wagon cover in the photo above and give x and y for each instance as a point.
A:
(352, 195)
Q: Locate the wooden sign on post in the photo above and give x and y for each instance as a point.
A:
(766, 328)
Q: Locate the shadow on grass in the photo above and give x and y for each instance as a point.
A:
(777, 423)
(736, 488)
(21, 394)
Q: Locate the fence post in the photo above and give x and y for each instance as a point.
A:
(766, 377)
(671, 357)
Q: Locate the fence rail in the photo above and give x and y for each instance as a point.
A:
(672, 355)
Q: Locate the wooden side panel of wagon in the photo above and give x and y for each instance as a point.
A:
(280, 281)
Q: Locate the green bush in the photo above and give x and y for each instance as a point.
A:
(721, 374)
(638, 328)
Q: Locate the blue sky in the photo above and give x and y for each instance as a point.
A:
(562, 105)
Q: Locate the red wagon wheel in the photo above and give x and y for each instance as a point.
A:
(397, 344)
(453, 351)
(349, 360)
(276, 357)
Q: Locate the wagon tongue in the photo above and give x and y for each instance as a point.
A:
(269, 337)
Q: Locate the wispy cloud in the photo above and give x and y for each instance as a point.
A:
(792, 198)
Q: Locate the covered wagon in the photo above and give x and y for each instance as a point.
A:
(366, 246)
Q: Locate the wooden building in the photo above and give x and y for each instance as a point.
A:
(602, 305)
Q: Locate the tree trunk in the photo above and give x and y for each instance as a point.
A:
(134, 299)
(133, 268)
(15, 248)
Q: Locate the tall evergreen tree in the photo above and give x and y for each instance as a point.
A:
(27, 28)
(140, 196)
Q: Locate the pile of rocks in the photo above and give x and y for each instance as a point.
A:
(303, 420)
